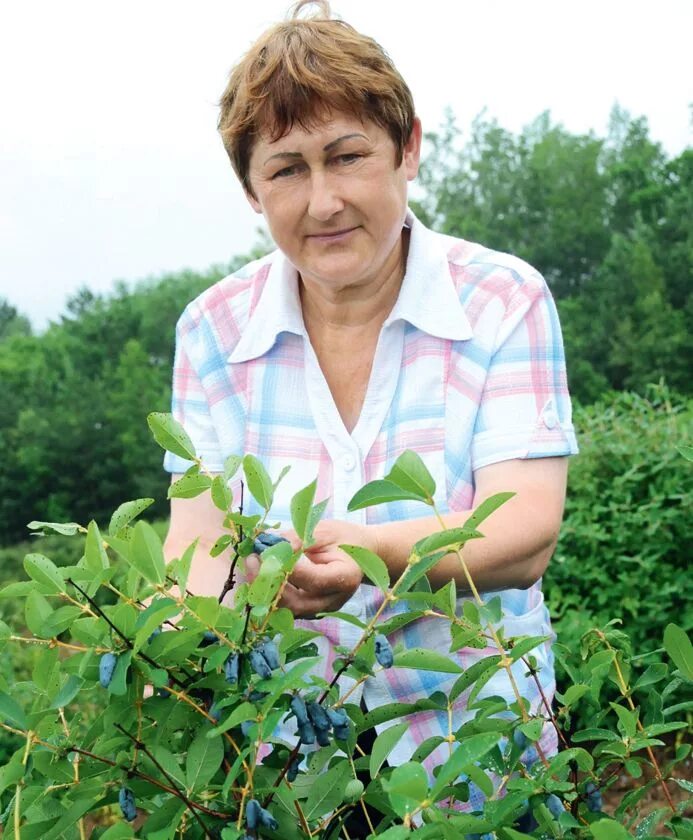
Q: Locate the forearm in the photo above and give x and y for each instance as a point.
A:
(519, 537)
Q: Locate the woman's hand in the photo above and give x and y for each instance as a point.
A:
(325, 577)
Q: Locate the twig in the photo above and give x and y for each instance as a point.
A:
(189, 803)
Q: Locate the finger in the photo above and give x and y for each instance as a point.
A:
(324, 578)
(252, 566)
(293, 538)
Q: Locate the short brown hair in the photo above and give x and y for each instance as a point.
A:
(301, 69)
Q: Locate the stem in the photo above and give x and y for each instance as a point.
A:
(123, 637)
(505, 662)
(181, 795)
(623, 687)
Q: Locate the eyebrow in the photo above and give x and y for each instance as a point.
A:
(328, 148)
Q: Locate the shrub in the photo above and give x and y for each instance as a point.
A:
(193, 757)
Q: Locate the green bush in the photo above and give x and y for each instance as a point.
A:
(625, 545)
(192, 755)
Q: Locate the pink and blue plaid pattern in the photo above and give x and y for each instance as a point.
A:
(469, 370)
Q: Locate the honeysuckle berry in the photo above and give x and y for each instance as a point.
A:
(306, 732)
(259, 664)
(155, 632)
(256, 816)
(340, 723)
(298, 707)
(383, 651)
(126, 800)
(256, 696)
(292, 771)
(107, 665)
(520, 739)
(208, 638)
(318, 716)
(555, 806)
(266, 540)
(231, 668)
(269, 650)
(246, 727)
(594, 797)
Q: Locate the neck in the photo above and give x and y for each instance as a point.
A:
(358, 306)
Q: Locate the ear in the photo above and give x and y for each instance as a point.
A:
(252, 201)
(411, 154)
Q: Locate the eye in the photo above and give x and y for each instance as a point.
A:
(286, 171)
(348, 157)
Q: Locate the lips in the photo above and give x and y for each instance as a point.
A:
(332, 236)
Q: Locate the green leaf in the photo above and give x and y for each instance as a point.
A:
(627, 720)
(426, 660)
(221, 495)
(486, 508)
(44, 571)
(170, 435)
(36, 611)
(450, 539)
(327, 792)
(147, 554)
(118, 685)
(149, 619)
(417, 570)
(609, 830)
(231, 466)
(258, 481)
(468, 752)
(119, 831)
(680, 649)
(204, 759)
(266, 585)
(379, 492)
(407, 787)
(685, 784)
(472, 674)
(125, 513)
(246, 711)
(410, 473)
(67, 529)
(68, 692)
(523, 646)
(301, 505)
(189, 486)
(383, 746)
(11, 711)
(370, 564)
(95, 557)
(686, 451)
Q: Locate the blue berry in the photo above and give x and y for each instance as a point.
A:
(265, 540)
(256, 816)
(259, 664)
(298, 707)
(383, 651)
(520, 739)
(231, 668)
(594, 797)
(554, 804)
(126, 800)
(318, 716)
(155, 632)
(306, 732)
(208, 638)
(107, 665)
(294, 767)
(269, 651)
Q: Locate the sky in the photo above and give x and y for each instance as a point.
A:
(111, 167)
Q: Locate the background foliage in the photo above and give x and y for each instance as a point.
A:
(606, 219)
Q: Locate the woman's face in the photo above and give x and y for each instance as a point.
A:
(334, 200)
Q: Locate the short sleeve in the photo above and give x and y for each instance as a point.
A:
(525, 409)
(190, 406)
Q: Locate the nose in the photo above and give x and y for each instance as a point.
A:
(324, 200)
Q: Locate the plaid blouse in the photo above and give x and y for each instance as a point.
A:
(468, 371)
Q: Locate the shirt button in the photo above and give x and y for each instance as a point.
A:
(550, 419)
(348, 462)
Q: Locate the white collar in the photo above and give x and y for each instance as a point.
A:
(427, 299)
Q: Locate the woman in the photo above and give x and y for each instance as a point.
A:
(363, 335)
